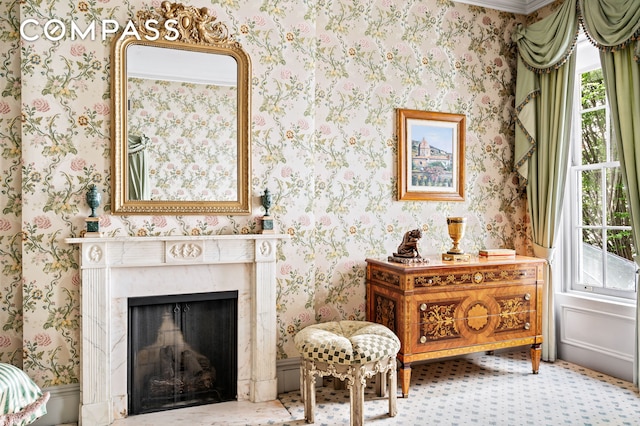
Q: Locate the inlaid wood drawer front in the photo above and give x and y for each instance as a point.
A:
(515, 313)
(385, 311)
(471, 317)
(438, 321)
(475, 276)
(385, 277)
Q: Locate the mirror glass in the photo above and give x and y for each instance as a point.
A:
(182, 105)
(181, 126)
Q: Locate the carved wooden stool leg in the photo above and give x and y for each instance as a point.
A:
(357, 395)
(303, 384)
(309, 392)
(381, 384)
(393, 389)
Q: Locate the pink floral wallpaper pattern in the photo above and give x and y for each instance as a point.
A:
(327, 78)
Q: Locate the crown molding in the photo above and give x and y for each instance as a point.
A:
(522, 7)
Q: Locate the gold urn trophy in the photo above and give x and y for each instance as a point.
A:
(456, 227)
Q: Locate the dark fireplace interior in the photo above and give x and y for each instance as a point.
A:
(182, 351)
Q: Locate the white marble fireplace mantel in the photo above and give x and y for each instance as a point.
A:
(114, 269)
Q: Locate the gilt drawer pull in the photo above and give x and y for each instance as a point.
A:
(423, 307)
(423, 339)
(527, 326)
(527, 296)
(523, 273)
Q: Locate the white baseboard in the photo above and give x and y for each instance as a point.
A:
(62, 406)
(288, 374)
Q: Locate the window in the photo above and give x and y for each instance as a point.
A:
(601, 240)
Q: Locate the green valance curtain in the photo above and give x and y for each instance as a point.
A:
(541, 155)
(612, 24)
(138, 168)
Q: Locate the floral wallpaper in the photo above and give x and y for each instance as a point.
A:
(191, 138)
(328, 76)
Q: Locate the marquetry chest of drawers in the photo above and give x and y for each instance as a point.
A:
(442, 309)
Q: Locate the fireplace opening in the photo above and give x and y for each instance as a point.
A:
(182, 351)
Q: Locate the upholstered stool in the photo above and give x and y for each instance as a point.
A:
(348, 350)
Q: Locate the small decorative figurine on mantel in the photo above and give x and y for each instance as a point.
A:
(93, 198)
(267, 220)
(408, 251)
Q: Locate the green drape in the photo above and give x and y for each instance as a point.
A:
(545, 101)
(138, 168)
(613, 25)
(622, 81)
(544, 98)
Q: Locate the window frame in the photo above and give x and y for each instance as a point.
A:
(573, 223)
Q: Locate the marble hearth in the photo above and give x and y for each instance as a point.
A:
(114, 269)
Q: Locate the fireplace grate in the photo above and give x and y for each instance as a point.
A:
(182, 351)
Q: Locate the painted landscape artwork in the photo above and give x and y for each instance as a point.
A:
(433, 155)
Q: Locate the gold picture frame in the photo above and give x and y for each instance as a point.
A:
(430, 155)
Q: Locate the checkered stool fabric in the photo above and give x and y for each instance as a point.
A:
(352, 351)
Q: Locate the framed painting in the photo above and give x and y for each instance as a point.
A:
(430, 155)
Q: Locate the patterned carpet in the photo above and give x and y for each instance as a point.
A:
(487, 390)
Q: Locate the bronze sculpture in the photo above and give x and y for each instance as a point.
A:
(409, 246)
(408, 251)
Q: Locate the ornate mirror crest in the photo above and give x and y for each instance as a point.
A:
(193, 25)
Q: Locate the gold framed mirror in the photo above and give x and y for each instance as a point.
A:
(181, 91)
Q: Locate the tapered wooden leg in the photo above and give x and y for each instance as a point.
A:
(536, 355)
(405, 378)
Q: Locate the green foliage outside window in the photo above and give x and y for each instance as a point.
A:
(598, 148)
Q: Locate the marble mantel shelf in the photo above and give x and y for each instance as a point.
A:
(181, 237)
(114, 269)
(176, 250)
